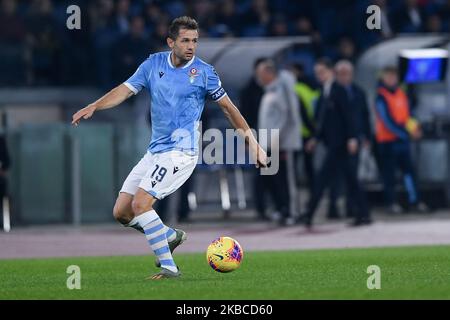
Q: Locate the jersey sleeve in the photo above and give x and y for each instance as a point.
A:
(214, 85)
(138, 80)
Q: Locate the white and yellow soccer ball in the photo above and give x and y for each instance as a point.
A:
(224, 254)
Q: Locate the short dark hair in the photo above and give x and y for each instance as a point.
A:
(183, 22)
(298, 66)
(326, 62)
(268, 63)
(390, 69)
(258, 61)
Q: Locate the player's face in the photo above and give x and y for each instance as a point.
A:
(323, 74)
(185, 45)
(390, 79)
(262, 76)
(344, 76)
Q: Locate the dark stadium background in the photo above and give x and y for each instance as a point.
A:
(47, 72)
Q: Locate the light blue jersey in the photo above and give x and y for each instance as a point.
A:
(177, 99)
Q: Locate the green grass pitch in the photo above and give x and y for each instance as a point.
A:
(406, 273)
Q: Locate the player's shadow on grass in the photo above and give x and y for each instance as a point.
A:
(187, 278)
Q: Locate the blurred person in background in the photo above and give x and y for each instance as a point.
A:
(203, 10)
(346, 49)
(154, 14)
(249, 102)
(387, 31)
(131, 48)
(434, 24)
(76, 48)
(279, 110)
(336, 129)
(12, 38)
(361, 117)
(303, 26)
(306, 91)
(410, 17)
(278, 26)
(39, 62)
(444, 14)
(4, 166)
(256, 19)
(12, 26)
(226, 15)
(44, 43)
(158, 37)
(104, 34)
(394, 131)
(122, 16)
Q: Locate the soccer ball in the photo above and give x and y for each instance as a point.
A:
(224, 254)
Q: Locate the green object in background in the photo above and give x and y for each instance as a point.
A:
(39, 165)
(405, 273)
(96, 158)
(42, 173)
(307, 97)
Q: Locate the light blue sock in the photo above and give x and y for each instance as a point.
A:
(155, 232)
(171, 235)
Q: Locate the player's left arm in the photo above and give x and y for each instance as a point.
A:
(238, 122)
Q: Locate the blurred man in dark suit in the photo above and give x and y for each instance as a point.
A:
(336, 129)
(361, 117)
(249, 102)
(307, 92)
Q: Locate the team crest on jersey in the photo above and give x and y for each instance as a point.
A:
(193, 73)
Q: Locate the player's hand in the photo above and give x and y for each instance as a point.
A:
(261, 161)
(414, 129)
(310, 145)
(352, 146)
(417, 134)
(259, 155)
(84, 113)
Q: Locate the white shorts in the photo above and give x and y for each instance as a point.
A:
(160, 174)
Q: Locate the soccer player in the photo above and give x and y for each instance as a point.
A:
(178, 83)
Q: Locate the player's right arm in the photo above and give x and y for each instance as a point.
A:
(113, 98)
(117, 95)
